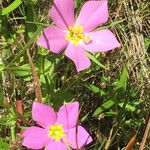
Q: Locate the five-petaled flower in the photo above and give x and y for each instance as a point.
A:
(76, 36)
(58, 131)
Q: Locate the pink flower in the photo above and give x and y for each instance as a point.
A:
(57, 131)
(76, 36)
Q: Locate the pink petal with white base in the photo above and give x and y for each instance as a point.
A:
(68, 114)
(93, 14)
(43, 114)
(78, 56)
(53, 39)
(62, 13)
(35, 138)
(82, 136)
(53, 145)
(101, 41)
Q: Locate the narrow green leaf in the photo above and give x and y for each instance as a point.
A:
(146, 43)
(130, 108)
(92, 87)
(122, 83)
(95, 89)
(110, 113)
(104, 107)
(95, 60)
(11, 7)
(84, 118)
(37, 23)
(114, 23)
(47, 66)
(138, 102)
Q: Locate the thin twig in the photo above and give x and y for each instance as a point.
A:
(38, 91)
(142, 145)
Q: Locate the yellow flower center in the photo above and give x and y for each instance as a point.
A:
(56, 132)
(75, 34)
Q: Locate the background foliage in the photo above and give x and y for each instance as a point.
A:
(113, 93)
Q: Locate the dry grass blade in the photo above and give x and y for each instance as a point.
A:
(131, 142)
(108, 143)
(142, 145)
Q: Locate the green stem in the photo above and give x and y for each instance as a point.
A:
(13, 132)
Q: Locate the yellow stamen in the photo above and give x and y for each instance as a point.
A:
(56, 132)
(75, 34)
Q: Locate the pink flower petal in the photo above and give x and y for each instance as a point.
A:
(101, 41)
(43, 114)
(68, 114)
(53, 39)
(53, 145)
(78, 56)
(62, 13)
(35, 138)
(82, 137)
(93, 14)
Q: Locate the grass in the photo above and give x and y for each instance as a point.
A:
(114, 101)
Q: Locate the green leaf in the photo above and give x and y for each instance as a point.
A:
(110, 113)
(146, 43)
(104, 107)
(84, 118)
(43, 51)
(95, 89)
(21, 71)
(122, 83)
(38, 23)
(138, 102)
(130, 108)
(11, 7)
(95, 60)
(4, 145)
(47, 66)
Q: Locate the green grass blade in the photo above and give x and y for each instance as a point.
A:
(104, 107)
(11, 7)
(95, 60)
(122, 83)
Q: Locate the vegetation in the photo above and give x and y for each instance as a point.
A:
(114, 93)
